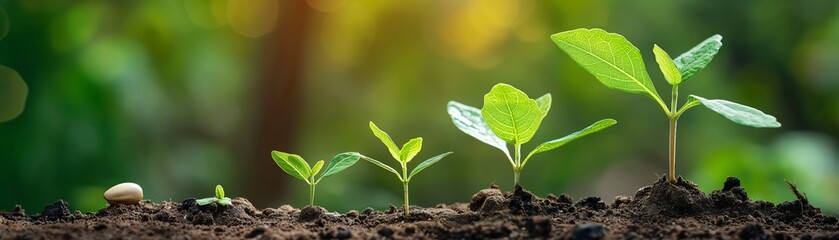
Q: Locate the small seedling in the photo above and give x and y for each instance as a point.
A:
(510, 116)
(616, 63)
(219, 198)
(295, 166)
(404, 155)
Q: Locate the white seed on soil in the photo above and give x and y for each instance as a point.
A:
(124, 193)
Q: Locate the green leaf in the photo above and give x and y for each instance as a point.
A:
(553, 144)
(316, 168)
(225, 201)
(205, 201)
(544, 103)
(382, 135)
(410, 149)
(340, 162)
(510, 114)
(470, 121)
(739, 113)
(426, 164)
(219, 192)
(292, 164)
(382, 165)
(612, 59)
(668, 68)
(698, 57)
(282, 160)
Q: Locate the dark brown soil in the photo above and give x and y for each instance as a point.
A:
(662, 210)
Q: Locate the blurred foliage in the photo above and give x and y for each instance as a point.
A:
(162, 93)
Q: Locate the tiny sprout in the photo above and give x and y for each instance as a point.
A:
(295, 166)
(498, 123)
(404, 155)
(620, 66)
(219, 198)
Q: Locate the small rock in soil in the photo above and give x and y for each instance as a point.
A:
(479, 198)
(589, 231)
(621, 201)
(124, 193)
(311, 213)
(565, 198)
(18, 211)
(592, 202)
(493, 204)
(352, 214)
(56, 210)
(730, 183)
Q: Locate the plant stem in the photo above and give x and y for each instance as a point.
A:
(405, 189)
(312, 194)
(672, 176)
(517, 167)
(516, 173)
(674, 118)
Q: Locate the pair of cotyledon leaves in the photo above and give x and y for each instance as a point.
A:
(404, 155)
(616, 63)
(510, 116)
(219, 198)
(295, 166)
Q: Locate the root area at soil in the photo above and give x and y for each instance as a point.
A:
(662, 210)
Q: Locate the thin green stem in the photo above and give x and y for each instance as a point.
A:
(517, 167)
(312, 194)
(673, 116)
(405, 190)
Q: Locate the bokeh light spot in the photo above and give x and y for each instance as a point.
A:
(253, 18)
(207, 14)
(13, 92)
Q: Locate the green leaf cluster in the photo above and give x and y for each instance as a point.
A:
(510, 116)
(219, 198)
(617, 64)
(402, 155)
(297, 167)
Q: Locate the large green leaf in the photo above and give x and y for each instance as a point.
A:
(470, 121)
(553, 144)
(385, 138)
(510, 114)
(426, 164)
(289, 166)
(410, 149)
(544, 103)
(739, 113)
(668, 68)
(612, 59)
(698, 57)
(340, 162)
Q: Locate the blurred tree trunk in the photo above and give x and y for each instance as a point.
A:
(279, 104)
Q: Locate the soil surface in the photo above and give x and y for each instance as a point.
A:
(663, 210)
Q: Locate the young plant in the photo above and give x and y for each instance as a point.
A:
(219, 198)
(510, 116)
(616, 63)
(404, 155)
(295, 166)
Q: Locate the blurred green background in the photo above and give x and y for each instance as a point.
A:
(181, 95)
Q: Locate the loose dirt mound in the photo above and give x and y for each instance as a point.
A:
(662, 210)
